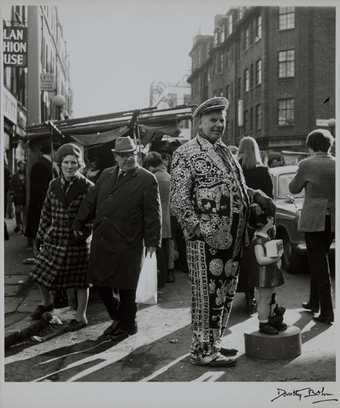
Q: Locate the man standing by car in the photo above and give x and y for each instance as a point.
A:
(316, 175)
(125, 205)
(209, 197)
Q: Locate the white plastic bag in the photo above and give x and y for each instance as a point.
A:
(146, 292)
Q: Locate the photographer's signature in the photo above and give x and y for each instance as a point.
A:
(306, 392)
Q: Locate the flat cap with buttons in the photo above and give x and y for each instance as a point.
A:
(217, 103)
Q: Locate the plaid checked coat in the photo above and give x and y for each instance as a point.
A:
(62, 260)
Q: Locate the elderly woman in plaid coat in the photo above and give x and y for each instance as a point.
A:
(62, 259)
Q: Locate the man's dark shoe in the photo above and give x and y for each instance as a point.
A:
(109, 330)
(266, 328)
(308, 306)
(40, 310)
(322, 319)
(132, 330)
(219, 361)
(119, 334)
(228, 352)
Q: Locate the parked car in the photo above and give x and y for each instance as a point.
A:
(288, 209)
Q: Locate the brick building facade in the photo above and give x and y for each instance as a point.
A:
(276, 65)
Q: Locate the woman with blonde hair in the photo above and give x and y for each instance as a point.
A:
(257, 176)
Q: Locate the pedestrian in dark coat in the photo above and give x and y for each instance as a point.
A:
(154, 163)
(316, 176)
(18, 192)
(125, 205)
(257, 177)
(62, 259)
(40, 176)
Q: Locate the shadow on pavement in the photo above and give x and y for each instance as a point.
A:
(316, 330)
(48, 366)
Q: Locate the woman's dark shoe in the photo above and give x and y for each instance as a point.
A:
(266, 328)
(308, 306)
(75, 325)
(40, 310)
(322, 319)
(280, 326)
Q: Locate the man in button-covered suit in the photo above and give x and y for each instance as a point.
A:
(210, 200)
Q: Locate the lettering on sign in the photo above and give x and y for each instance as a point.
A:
(47, 81)
(15, 46)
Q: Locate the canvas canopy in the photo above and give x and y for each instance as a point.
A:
(145, 125)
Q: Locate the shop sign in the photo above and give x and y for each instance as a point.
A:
(322, 122)
(15, 46)
(10, 106)
(47, 81)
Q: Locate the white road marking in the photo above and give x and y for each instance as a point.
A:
(163, 369)
(209, 376)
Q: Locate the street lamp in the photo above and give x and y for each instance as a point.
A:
(59, 102)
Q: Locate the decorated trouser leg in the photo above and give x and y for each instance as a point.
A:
(214, 276)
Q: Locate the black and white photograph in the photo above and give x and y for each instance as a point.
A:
(168, 182)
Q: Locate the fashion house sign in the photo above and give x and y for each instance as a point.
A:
(15, 46)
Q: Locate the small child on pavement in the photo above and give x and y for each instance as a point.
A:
(269, 273)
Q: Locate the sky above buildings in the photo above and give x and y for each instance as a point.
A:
(118, 49)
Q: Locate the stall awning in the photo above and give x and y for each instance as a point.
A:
(101, 129)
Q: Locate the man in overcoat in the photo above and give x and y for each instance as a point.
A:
(210, 199)
(125, 206)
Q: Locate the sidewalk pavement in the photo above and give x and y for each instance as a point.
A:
(159, 351)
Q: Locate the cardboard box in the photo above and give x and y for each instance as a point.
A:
(274, 248)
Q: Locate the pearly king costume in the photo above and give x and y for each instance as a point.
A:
(208, 191)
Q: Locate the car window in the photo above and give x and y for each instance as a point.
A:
(283, 186)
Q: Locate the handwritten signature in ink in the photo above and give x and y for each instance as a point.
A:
(306, 392)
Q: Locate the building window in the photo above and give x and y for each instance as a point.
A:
(227, 92)
(258, 117)
(258, 72)
(251, 76)
(222, 34)
(286, 18)
(239, 87)
(258, 28)
(286, 64)
(251, 119)
(246, 120)
(247, 38)
(216, 38)
(219, 63)
(286, 112)
(246, 80)
(230, 24)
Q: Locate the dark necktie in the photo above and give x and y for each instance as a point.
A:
(121, 175)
